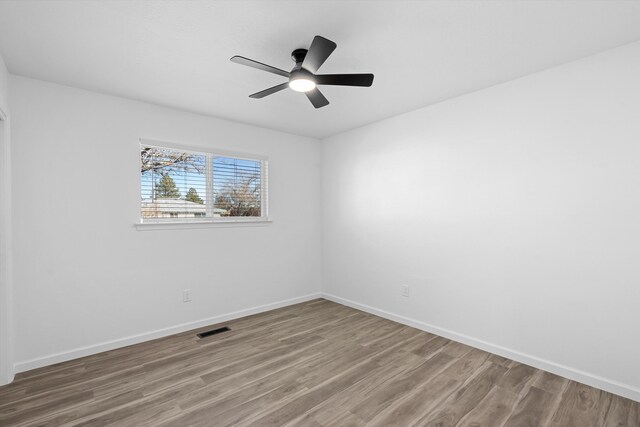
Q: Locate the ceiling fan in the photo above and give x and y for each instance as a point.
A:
(303, 77)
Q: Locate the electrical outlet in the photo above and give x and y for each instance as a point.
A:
(405, 291)
(186, 295)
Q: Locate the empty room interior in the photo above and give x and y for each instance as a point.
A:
(320, 213)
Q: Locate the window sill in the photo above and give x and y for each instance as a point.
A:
(147, 226)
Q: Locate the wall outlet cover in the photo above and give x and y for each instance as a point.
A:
(186, 295)
(405, 290)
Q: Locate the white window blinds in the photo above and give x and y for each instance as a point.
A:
(179, 185)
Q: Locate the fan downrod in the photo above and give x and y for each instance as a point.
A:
(298, 55)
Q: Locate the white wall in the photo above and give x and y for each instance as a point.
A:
(84, 276)
(4, 86)
(6, 305)
(513, 213)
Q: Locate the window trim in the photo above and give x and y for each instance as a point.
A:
(171, 223)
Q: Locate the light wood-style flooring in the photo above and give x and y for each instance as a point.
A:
(311, 364)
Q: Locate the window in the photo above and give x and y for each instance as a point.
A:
(184, 185)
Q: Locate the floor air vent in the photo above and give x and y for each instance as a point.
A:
(213, 332)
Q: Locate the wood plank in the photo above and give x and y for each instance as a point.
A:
(517, 377)
(499, 360)
(401, 385)
(493, 410)
(431, 346)
(533, 410)
(82, 411)
(452, 410)
(347, 419)
(344, 401)
(634, 415)
(313, 397)
(550, 382)
(620, 413)
(30, 413)
(580, 406)
(464, 368)
(414, 406)
(242, 404)
(163, 401)
(456, 349)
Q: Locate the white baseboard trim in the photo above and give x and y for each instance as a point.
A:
(147, 336)
(596, 381)
(7, 379)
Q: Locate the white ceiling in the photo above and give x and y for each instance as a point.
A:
(177, 53)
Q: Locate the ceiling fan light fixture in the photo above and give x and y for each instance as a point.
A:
(302, 84)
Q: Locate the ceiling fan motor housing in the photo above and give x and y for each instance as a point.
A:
(299, 73)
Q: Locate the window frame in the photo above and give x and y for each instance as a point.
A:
(210, 154)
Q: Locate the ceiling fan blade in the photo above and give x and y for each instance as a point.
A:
(319, 51)
(365, 80)
(269, 91)
(259, 65)
(317, 98)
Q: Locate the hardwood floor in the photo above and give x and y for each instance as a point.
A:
(311, 364)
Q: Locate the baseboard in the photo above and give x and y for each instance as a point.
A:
(596, 381)
(136, 339)
(7, 379)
